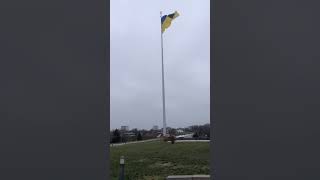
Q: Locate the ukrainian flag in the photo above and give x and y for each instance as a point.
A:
(166, 20)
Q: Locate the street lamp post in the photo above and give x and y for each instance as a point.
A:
(121, 177)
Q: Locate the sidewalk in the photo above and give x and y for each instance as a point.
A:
(133, 142)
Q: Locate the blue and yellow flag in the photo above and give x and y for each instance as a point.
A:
(166, 20)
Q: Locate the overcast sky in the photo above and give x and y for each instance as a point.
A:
(135, 72)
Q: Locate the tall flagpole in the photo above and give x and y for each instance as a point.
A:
(163, 94)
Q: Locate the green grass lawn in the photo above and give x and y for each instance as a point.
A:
(157, 160)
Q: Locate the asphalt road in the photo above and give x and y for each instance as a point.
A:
(177, 141)
(133, 142)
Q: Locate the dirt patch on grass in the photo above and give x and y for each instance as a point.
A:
(141, 160)
(181, 166)
(161, 165)
(152, 178)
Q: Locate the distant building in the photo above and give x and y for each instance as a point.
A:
(155, 128)
(124, 128)
(131, 134)
(179, 131)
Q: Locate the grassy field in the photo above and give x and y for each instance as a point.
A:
(157, 160)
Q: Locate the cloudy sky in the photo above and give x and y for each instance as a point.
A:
(135, 71)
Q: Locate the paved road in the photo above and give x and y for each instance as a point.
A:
(134, 142)
(177, 141)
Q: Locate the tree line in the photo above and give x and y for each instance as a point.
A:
(198, 131)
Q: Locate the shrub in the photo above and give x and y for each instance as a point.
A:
(116, 136)
(196, 135)
(139, 137)
(172, 139)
